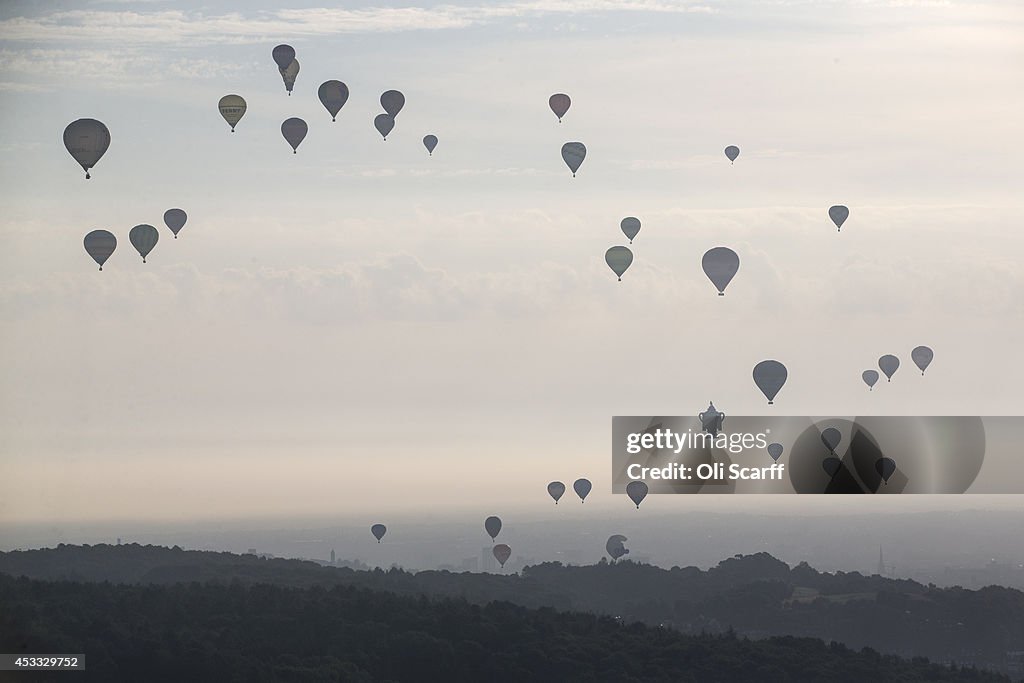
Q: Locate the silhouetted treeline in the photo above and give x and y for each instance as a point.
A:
(757, 595)
(260, 632)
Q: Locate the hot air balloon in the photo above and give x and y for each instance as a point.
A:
(770, 376)
(555, 490)
(775, 451)
(720, 265)
(831, 466)
(87, 141)
(618, 259)
(922, 357)
(232, 108)
(573, 153)
(888, 364)
(284, 55)
(731, 152)
(384, 123)
(493, 526)
(559, 104)
(630, 227)
(378, 531)
(869, 377)
(175, 220)
(100, 244)
(288, 75)
(582, 488)
(430, 142)
(614, 546)
(885, 467)
(831, 438)
(144, 238)
(333, 95)
(637, 491)
(501, 553)
(392, 101)
(838, 214)
(294, 131)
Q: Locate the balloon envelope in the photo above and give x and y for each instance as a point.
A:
(493, 526)
(869, 377)
(501, 553)
(284, 55)
(889, 364)
(770, 376)
(392, 101)
(731, 152)
(430, 142)
(922, 357)
(232, 108)
(559, 104)
(831, 438)
(618, 259)
(144, 238)
(384, 123)
(100, 244)
(175, 220)
(573, 153)
(614, 546)
(831, 466)
(333, 95)
(775, 451)
(637, 491)
(886, 467)
(294, 131)
(555, 490)
(378, 531)
(630, 227)
(289, 73)
(720, 265)
(87, 141)
(838, 214)
(582, 488)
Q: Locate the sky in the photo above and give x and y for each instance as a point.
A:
(361, 326)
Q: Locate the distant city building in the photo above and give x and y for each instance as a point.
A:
(881, 563)
(250, 551)
(487, 561)
(333, 556)
(119, 540)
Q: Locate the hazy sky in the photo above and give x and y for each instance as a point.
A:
(360, 325)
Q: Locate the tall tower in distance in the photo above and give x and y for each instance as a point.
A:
(881, 564)
(332, 556)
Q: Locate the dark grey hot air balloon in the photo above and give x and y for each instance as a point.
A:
(720, 265)
(294, 131)
(630, 227)
(175, 220)
(144, 238)
(284, 55)
(731, 152)
(87, 141)
(838, 214)
(870, 377)
(384, 123)
(333, 95)
(378, 531)
(775, 451)
(100, 244)
(770, 376)
(614, 546)
(831, 437)
(232, 108)
(288, 75)
(886, 467)
(493, 526)
(573, 153)
(582, 488)
(637, 491)
(501, 553)
(618, 259)
(831, 466)
(555, 490)
(392, 101)
(888, 364)
(430, 142)
(559, 104)
(922, 357)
